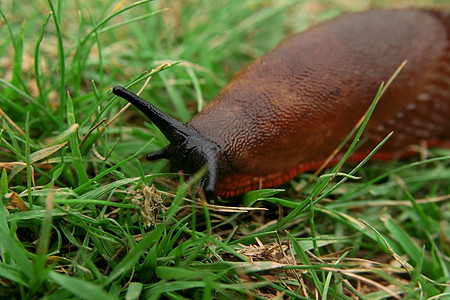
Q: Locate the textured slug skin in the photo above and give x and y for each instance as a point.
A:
(288, 110)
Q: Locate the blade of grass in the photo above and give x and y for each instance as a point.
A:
(16, 251)
(134, 291)
(365, 186)
(13, 274)
(39, 269)
(305, 260)
(131, 20)
(329, 276)
(30, 173)
(178, 102)
(74, 144)
(17, 42)
(423, 216)
(198, 90)
(3, 186)
(133, 256)
(82, 187)
(108, 18)
(81, 288)
(61, 62)
(99, 49)
(37, 72)
(409, 246)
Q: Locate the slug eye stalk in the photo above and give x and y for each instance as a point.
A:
(171, 128)
(188, 150)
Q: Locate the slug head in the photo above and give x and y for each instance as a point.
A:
(188, 150)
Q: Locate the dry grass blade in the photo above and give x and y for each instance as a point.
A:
(46, 152)
(10, 121)
(17, 201)
(217, 208)
(140, 91)
(34, 157)
(271, 257)
(404, 264)
(16, 167)
(396, 203)
(222, 208)
(91, 130)
(119, 5)
(350, 274)
(346, 216)
(190, 65)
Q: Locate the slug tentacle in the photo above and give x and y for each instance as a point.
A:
(162, 153)
(188, 150)
(171, 128)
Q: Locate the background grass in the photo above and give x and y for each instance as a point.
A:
(80, 217)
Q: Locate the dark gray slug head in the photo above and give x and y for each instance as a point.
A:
(188, 150)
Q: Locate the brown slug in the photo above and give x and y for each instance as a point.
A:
(287, 111)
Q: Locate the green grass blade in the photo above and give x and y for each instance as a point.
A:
(410, 247)
(133, 256)
(305, 261)
(30, 174)
(82, 187)
(176, 99)
(81, 288)
(13, 274)
(3, 184)
(131, 20)
(37, 72)
(17, 42)
(61, 62)
(16, 251)
(43, 242)
(108, 18)
(74, 143)
(134, 291)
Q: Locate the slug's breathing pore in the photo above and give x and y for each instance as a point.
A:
(287, 111)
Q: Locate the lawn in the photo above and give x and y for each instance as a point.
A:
(84, 216)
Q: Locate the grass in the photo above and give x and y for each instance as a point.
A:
(84, 216)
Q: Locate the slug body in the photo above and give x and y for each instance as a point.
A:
(287, 111)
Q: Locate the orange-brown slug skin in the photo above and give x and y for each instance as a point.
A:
(287, 111)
